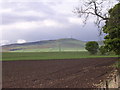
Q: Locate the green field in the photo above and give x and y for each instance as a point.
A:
(50, 50)
(8, 56)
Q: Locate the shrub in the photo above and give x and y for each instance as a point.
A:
(92, 47)
(103, 50)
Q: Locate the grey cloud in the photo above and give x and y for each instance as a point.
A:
(11, 18)
(8, 18)
(88, 32)
(76, 31)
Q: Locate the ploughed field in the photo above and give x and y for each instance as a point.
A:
(70, 73)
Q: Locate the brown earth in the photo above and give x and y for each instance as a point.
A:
(75, 73)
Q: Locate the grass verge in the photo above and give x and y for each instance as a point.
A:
(10, 56)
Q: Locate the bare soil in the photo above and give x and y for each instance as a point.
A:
(74, 73)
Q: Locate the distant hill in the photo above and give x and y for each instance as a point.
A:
(99, 42)
(65, 44)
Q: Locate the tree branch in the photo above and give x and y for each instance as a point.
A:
(92, 7)
(96, 13)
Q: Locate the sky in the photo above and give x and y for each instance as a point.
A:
(35, 20)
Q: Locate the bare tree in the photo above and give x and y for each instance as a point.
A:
(97, 8)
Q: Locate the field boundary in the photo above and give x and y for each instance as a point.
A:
(112, 81)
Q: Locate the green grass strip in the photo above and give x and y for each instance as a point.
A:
(10, 56)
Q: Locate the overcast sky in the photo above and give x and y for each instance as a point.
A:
(35, 20)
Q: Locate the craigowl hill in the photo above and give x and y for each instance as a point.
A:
(64, 44)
